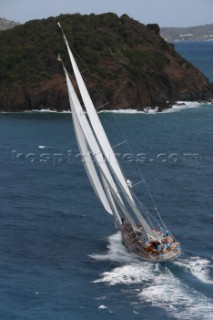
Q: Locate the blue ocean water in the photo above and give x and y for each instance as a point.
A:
(61, 256)
(199, 53)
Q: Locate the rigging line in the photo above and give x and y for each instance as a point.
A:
(117, 145)
(147, 212)
(141, 205)
(137, 183)
(103, 105)
(145, 183)
(84, 70)
(96, 87)
(110, 125)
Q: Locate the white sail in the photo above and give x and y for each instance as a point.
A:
(90, 138)
(89, 165)
(96, 124)
(111, 201)
(88, 162)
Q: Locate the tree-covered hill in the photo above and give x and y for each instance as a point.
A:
(128, 61)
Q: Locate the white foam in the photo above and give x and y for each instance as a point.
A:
(147, 110)
(155, 284)
(102, 307)
(45, 111)
(129, 111)
(129, 274)
(179, 106)
(101, 298)
(182, 105)
(198, 267)
(135, 312)
(43, 147)
(116, 251)
(37, 111)
(171, 294)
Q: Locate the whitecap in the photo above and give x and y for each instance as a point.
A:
(135, 312)
(101, 298)
(102, 307)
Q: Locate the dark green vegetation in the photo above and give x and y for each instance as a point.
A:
(130, 62)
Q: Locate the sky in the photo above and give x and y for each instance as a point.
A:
(166, 13)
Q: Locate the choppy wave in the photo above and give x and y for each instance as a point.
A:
(156, 284)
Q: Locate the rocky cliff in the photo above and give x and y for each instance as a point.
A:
(126, 62)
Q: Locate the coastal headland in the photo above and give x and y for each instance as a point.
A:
(124, 62)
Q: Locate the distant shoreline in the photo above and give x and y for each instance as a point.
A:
(194, 40)
(196, 33)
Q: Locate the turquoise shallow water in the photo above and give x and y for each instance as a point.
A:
(61, 256)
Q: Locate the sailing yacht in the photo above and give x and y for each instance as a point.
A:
(143, 234)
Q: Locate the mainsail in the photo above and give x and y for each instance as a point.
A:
(107, 178)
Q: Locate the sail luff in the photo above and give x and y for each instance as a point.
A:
(96, 124)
